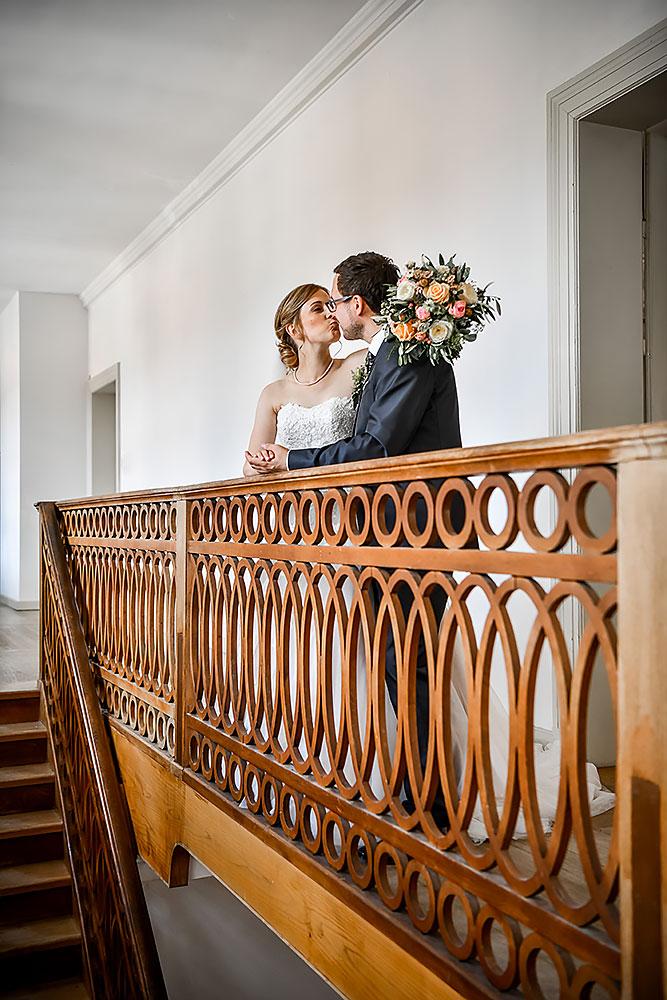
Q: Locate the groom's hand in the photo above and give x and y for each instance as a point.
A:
(269, 458)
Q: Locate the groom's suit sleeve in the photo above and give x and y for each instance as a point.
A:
(401, 397)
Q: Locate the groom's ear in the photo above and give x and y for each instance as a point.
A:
(358, 304)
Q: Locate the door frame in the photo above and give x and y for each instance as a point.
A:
(109, 376)
(628, 67)
(617, 73)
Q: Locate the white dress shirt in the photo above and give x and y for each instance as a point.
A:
(376, 342)
(373, 348)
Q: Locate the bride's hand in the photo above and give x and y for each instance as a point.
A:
(269, 458)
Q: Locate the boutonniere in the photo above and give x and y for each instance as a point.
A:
(360, 377)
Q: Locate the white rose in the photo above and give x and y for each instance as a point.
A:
(440, 331)
(405, 290)
(469, 293)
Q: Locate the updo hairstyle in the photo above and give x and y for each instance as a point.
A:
(287, 314)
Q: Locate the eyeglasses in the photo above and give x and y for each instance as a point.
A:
(332, 303)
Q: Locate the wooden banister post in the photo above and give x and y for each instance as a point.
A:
(642, 764)
(180, 751)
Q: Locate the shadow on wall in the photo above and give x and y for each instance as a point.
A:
(211, 945)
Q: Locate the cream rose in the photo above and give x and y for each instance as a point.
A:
(405, 290)
(469, 293)
(440, 331)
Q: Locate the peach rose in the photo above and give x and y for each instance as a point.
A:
(405, 331)
(438, 292)
(457, 309)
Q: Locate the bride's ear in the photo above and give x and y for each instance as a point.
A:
(296, 335)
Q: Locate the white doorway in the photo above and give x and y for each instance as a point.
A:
(622, 212)
(627, 82)
(607, 308)
(623, 259)
(104, 421)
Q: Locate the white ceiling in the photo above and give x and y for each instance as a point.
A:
(108, 108)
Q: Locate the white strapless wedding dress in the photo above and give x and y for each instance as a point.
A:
(315, 427)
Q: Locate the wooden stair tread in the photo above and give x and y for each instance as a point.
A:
(12, 694)
(27, 877)
(28, 824)
(10, 731)
(25, 774)
(39, 935)
(70, 990)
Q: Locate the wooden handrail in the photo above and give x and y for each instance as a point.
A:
(119, 948)
(211, 613)
(599, 447)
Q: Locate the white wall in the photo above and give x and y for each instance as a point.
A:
(10, 451)
(44, 380)
(434, 141)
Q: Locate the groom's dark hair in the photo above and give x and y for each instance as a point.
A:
(366, 274)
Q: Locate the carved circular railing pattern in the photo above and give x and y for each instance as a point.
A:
(259, 687)
(107, 942)
(128, 521)
(127, 601)
(470, 928)
(139, 715)
(259, 634)
(418, 514)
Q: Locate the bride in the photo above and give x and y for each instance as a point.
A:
(312, 404)
(311, 407)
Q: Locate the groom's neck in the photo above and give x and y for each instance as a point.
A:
(370, 328)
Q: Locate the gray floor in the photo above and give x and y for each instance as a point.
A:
(210, 944)
(19, 647)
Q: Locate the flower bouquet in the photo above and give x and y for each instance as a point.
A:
(434, 310)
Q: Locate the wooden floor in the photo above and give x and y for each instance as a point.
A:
(19, 648)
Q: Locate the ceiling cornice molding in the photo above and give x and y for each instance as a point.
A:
(361, 33)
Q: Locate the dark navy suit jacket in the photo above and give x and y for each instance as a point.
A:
(403, 410)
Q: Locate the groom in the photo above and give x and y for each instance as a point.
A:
(403, 410)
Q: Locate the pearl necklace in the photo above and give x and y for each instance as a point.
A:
(325, 372)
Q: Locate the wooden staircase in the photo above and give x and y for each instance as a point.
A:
(40, 938)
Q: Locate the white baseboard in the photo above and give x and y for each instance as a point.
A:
(19, 605)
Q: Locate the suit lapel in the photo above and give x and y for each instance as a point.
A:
(364, 402)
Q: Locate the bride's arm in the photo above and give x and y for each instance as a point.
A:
(264, 428)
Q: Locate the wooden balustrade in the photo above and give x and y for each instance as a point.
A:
(119, 949)
(241, 629)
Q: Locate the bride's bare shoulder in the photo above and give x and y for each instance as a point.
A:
(274, 394)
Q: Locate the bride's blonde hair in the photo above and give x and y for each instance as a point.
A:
(288, 314)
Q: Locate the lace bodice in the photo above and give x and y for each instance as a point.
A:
(315, 426)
